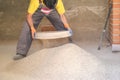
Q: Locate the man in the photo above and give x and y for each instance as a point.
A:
(53, 10)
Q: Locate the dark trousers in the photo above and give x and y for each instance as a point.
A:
(25, 39)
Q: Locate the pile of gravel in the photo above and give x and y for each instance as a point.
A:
(66, 62)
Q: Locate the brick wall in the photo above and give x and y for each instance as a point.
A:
(115, 24)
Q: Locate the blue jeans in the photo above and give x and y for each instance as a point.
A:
(25, 39)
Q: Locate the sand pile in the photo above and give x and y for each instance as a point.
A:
(67, 62)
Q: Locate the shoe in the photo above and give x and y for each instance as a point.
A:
(18, 56)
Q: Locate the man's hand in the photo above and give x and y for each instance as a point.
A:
(70, 31)
(33, 31)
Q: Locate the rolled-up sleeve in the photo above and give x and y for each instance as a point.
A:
(33, 6)
(60, 7)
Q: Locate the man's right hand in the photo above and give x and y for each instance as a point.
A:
(33, 31)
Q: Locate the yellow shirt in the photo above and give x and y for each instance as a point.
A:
(34, 4)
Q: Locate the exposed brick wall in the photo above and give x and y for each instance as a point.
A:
(115, 23)
(47, 28)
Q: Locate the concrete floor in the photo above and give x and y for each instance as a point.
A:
(49, 64)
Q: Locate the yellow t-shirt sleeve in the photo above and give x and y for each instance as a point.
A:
(60, 7)
(33, 6)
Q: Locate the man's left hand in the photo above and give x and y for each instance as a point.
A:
(70, 31)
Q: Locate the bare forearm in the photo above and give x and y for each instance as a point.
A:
(64, 20)
(30, 21)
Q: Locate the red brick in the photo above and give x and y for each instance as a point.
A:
(115, 21)
(116, 42)
(47, 28)
(116, 6)
(116, 11)
(116, 32)
(115, 16)
(116, 1)
(116, 27)
(117, 38)
(112, 26)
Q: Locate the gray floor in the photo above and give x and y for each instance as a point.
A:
(78, 61)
